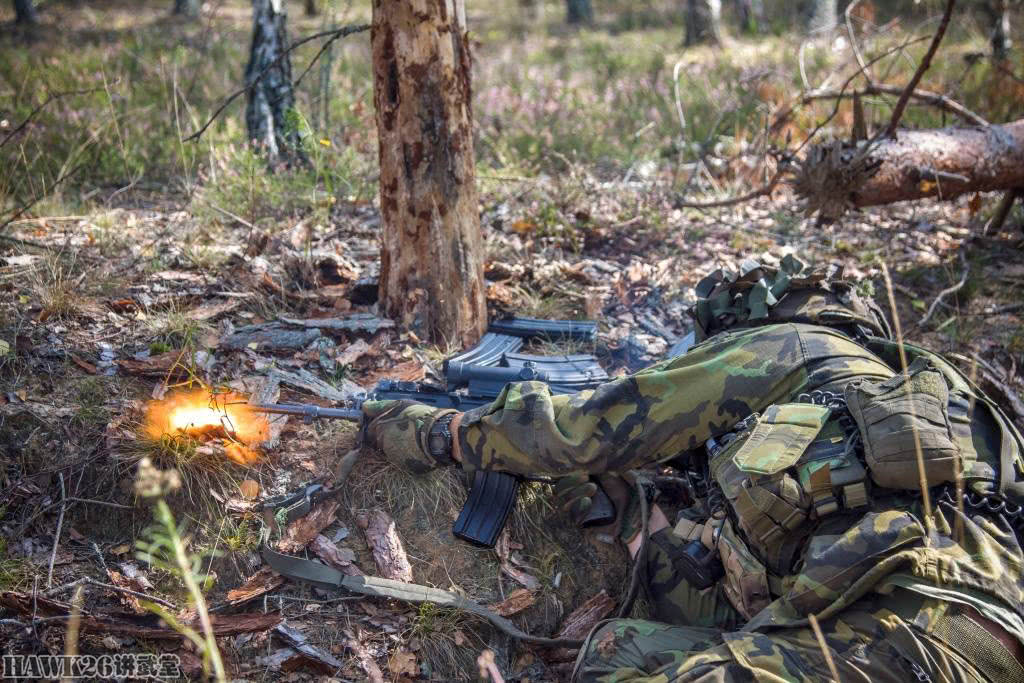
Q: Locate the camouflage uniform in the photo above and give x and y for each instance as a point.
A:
(801, 527)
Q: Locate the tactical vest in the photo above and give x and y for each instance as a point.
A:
(818, 464)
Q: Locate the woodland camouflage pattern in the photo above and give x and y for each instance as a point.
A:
(896, 598)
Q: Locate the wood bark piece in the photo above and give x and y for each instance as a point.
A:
(388, 551)
(136, 625)
(307, 381)
(360, 322)
(516, 602)
(431, 274)
(269, 391)
(260, 583)
(302, 531)
(270, 337)
(916, 164)
(582, 619)
(306, 655)
(342, 559)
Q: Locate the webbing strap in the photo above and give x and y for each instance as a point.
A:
(328, 577)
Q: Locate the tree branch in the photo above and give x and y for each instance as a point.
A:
(334, 33)
(926, 61)
(933, 98)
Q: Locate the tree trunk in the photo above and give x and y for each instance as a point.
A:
(188, 8)
(821, 16)
(25, 12)
(943, 163)
(312, 8)
(431, 275)
(268, 77)
(579, 11)
(703, 22)
(750, 14)
(998, 12)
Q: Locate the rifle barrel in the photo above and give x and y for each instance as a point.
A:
(308, 411)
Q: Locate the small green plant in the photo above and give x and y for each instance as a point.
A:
(162, 547)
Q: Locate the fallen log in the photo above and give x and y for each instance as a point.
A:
(914, 164)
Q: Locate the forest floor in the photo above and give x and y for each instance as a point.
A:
(138, 257)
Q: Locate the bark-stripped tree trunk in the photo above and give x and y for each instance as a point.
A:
(188, 8)
(25, 12)
(944, 163)
(431, 248)
(579, 11)
(998, 12)
(703, 22)
(821, 16)
(268, 79)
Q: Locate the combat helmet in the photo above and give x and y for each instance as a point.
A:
(761, 294)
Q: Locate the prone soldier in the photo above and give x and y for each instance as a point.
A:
(810, 436)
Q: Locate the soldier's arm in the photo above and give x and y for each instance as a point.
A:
(634, 421)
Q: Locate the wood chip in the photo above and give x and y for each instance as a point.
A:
(388, 551)
(516, 602)
(303, 530)
(260, 583)
(209, 311)
(582, 619)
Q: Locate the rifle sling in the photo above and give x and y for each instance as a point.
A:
(328, 577)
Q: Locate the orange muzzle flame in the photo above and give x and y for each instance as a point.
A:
(206, 416)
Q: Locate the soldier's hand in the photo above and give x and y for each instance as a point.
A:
(574, 495)
(400, 430)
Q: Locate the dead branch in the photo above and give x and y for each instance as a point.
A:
(85, 580)
(1002, 211)
(753, 194)
(926, 61)
(933, 98)
(948, 290)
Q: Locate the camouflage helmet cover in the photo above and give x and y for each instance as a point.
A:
(759, 294)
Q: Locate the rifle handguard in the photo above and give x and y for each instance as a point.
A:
(490, 501)
(601, 511)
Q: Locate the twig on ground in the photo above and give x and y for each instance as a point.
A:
(231, 216)
(336, 33)
(85, 580)
(753, 194)
(926, 61)
(949, 290)
(99, 554)
(60, 525)
(107, 503)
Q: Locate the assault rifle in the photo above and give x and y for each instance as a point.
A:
(473, 379)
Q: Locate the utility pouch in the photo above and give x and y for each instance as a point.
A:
(746, 580)
(889, 413)
(770, 503)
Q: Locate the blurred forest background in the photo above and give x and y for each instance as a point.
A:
(615, 143)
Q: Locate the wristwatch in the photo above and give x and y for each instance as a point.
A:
(439, 440)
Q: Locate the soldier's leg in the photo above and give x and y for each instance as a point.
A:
(866, 643)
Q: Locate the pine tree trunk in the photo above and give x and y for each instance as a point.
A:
(188, 8)
(703, 22)
(944, 163)
(750, 14)
(25, 12)
(431, 275)
(312, 8)
(268, 77)
(579, 11)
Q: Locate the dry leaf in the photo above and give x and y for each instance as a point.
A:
(403, 663)
(249, 488)
(85, 365)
